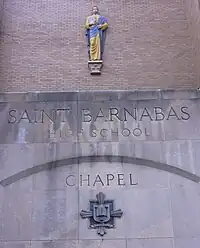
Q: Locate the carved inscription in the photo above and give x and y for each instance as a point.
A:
(118, 179)
(37, 115)
(109, 115)
(104, 124)
(154, 114)
(125, 132)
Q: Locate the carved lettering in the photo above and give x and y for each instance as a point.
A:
(103, 132)
(87, 117)
(115, 132)
(120, 179)
(98, 180)
(25, 116)
(137, 132)
(172, 113)
(51, 134)
(94, 133)
(37, 116)
(109, 178)
(186, 115)
(131, 180)
(126, 132)
(62, 113)
(50, 116)
(133, 115)
(114, 112)
(159, 114)
(117, 179)
(100, 114)
(104, 115)
(146, 113)
(69, 181)
(146, 132)
(12, 116)
(85, 180)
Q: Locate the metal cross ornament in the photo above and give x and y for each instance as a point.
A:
(101, 214)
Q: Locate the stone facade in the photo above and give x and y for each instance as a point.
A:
(149, 45)
(141, 149)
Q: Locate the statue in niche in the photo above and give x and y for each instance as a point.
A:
(96, 26)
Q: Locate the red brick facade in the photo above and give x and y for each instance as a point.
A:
(150, 44)
(193, 16)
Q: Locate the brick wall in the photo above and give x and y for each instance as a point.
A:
(193, 15)
(148, 46)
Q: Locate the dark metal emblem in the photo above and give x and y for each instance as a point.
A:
(101, 214)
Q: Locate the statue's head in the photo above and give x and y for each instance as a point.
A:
(95, 10)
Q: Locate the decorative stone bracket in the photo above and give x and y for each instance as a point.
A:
(95, 67)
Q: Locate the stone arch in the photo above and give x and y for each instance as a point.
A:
(100, 158)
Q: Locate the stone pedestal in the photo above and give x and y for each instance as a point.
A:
(95, 67)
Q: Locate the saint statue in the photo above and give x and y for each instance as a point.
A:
(95, 30)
